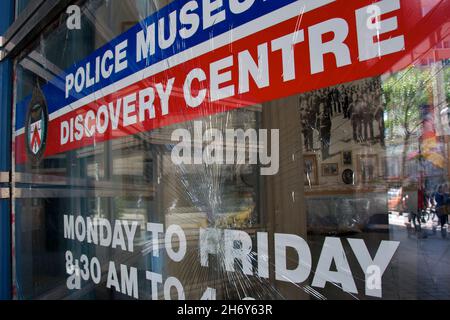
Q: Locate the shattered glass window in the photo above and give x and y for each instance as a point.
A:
(235, 150)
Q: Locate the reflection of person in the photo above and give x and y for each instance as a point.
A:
(420, 207)
(355, 118)
(444, 217)
(345, 102)
(441, 199)
(336, 102)
(325, 130)
(367, 117)
(408, 206)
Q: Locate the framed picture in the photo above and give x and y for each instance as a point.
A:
(367, 168)
(310, 169)
(330, 169)
(347, 158)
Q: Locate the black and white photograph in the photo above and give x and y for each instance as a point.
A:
(342, 116)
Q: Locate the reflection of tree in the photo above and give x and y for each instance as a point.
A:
(405, 92)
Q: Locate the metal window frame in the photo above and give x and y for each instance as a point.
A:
(29, 24)
(17, 35)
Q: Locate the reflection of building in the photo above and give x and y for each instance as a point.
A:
(421, 153)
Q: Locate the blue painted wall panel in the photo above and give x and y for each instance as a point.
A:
(6, 18)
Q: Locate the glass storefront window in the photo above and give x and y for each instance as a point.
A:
(333, 186)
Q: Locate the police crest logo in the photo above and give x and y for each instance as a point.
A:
(36, 126)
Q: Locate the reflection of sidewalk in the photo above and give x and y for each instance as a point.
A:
(421, 267)
(396, 219)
